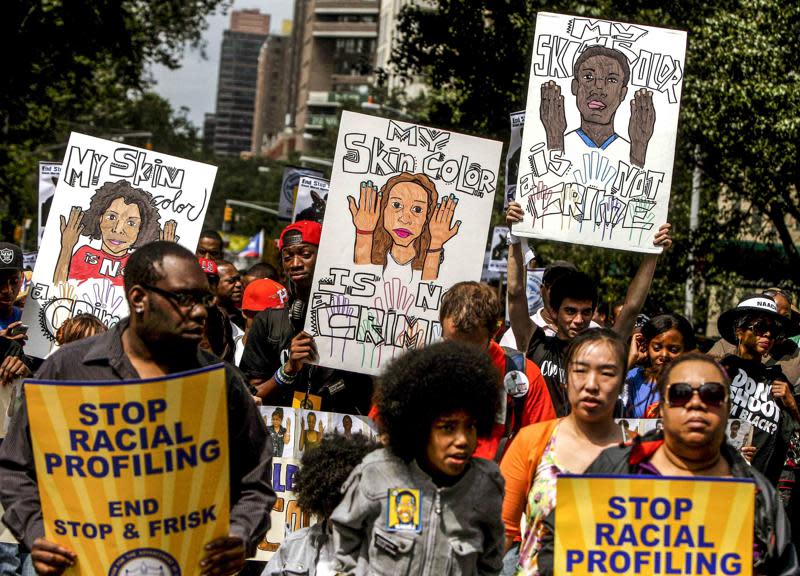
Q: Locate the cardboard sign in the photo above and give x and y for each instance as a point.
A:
(289, 430)
(111, 198)
(312, 197)
(48, 179)
(133, 476)
(599, 140)
(407, 217)
(653, 525)
(289, 184)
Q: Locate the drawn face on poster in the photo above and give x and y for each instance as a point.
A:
(596, 167)
(407, 217)
(110, 200)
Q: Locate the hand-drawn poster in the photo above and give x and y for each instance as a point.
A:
(133, 476)
(599, 141)
(48, 179)
(407, 217)
(284, 425)
(111, 198)
(512, 156)
(291, 179)
(498, 251)
(312, 195)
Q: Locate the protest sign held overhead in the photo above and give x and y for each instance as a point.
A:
(133, 474)
(512, 155)
(599, 140)
(48, 179)
(312, 195)
(653, 525)
(111, 198)
(289, 184)
(407, 217)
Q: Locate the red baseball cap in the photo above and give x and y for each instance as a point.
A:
(208, 266)
(310, 233)
(263, 294)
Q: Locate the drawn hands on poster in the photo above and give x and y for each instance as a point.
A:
(404, 221)
(580, 171)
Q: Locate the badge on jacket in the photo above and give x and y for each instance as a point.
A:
(405, 509)
(516, 383)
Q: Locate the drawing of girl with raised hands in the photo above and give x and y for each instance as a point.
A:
(404, 227)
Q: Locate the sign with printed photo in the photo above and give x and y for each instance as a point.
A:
(48, 179)
(284, 426)
(312, 196)
(498, 252)
(512, 155)
(407, 217)
(133, 476)
(111, 198)
(404, 506)
(289, 185)
(599, 141)
(653, 525)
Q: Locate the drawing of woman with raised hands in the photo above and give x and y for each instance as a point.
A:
(122, 218)
(404, 227)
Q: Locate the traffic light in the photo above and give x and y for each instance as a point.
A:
(227, 219)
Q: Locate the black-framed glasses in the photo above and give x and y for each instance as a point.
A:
(711, 393)
(185, 300)
(763, 327)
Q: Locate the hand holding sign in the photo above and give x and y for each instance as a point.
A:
(223, 556)
(51, 559)
(641, 125)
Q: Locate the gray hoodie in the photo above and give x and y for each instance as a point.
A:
(460, 527)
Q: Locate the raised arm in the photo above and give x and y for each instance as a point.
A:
(640, 286)
(521, 324)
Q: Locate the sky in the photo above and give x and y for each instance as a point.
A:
(194, 84)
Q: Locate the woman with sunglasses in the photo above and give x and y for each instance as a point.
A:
(759, 394)
(595, 366)
(696, 393)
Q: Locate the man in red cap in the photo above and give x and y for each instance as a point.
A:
(278, 354)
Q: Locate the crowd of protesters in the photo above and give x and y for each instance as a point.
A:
(474, 430)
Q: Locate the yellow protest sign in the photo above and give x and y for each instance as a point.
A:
(652, 526)
(133, 476)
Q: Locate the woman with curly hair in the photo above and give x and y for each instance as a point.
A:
(122, 218)
(422, 504)
(318, 486)
(404, 227)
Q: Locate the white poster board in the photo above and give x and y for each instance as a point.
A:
(312, 196)
(498, 250)
(599, 142)
(48, 179)
(111, 199)
(407, 217)
(289, 183)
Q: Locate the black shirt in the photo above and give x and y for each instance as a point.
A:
(547, 352)
(752, 400)
(103, 358)
(267, 349)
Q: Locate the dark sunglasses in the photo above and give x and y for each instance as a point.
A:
(711, 393)
(187, 300)
(762, 327)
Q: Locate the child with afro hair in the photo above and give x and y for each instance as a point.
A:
(318, 485)
(422, 505)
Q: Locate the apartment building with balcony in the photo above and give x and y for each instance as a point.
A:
(272, 94)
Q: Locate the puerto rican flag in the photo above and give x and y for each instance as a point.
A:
(255, 247)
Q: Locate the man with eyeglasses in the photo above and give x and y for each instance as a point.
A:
(759, 394)
(167, 293)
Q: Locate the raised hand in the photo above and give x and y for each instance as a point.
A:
(641, 125)
(514, 213)
(71, 228)
(365, 213)
(552, 115)
(440, 225)
(663, 237)
(168, 233)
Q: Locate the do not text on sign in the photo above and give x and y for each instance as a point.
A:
(133, 474)
(654, 526)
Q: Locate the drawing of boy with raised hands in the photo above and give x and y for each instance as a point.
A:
(122, 218)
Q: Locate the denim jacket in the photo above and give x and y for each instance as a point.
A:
(460, 530)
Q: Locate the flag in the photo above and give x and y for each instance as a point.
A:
(255, 247)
